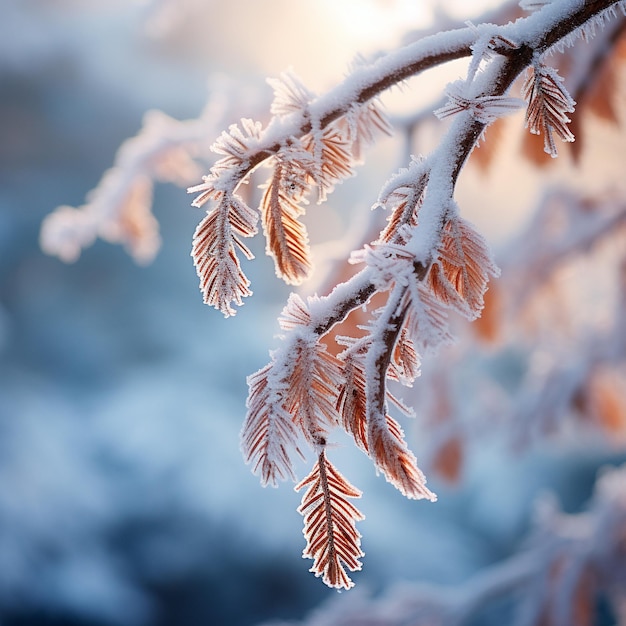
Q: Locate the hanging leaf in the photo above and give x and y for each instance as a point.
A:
(460, 274)
(405, 362)
(215, 241)
(313, 383)
(404, 203)
(392, 456)
(426, 321)
(448, 458)
(351, 403)
(363, 122)
(269, 438)
(287, 239)
(331, 158)
(332, 540)
(307, 375)
(548, 106)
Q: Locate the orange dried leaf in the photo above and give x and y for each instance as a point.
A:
(313, 385)
(351, 403)
(214, 252)
(532, 148)
(459, 275)
(485, 153)
(602, 94)
(607, 402)
(361, 125)
(268, 438)
(331, 158)
(405, 203)
(548, 106)
(405, 362)
(392, 456)
(487, 327)
(332, 540)
(287, 239)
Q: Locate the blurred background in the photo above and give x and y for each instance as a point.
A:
(124, 500)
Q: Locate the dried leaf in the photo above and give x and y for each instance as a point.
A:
(287, 239)
(488, 326)
(484, 154)
(236, 143)
(331, 158)
(362, 123)
(269, 438)
(392, 456)
(426, 321)
(607, 401)
(548, 106)
(600, 98)
(405, 203)
(311, 377)
(351, 402)
(313, 385)
(460, 274)
(405, 362)
(214, 252)
(332, 540)
(290, 94)
(448, 459)
(485, 109)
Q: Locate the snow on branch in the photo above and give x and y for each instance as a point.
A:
(426, 265)
(426, 262)
(119, 208)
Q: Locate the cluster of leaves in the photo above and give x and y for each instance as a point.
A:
(426, 262)
(340, 352)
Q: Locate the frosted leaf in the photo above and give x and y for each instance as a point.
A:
(290, 94)
(548, 106)
(332, 540)
(215, 244)
(392, 456)
(234, 145)
(461, 270)
(364, 122)
(331, 161)
(351, 401)
(485, 109)
(295, 315)
(287, 239)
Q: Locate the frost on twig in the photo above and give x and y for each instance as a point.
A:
(119, 209)
(426, 263)
(426, 266)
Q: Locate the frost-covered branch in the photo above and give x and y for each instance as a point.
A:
(119, 208)
(428, 260)
(426, 267)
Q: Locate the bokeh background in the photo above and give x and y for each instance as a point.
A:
(124, 500)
